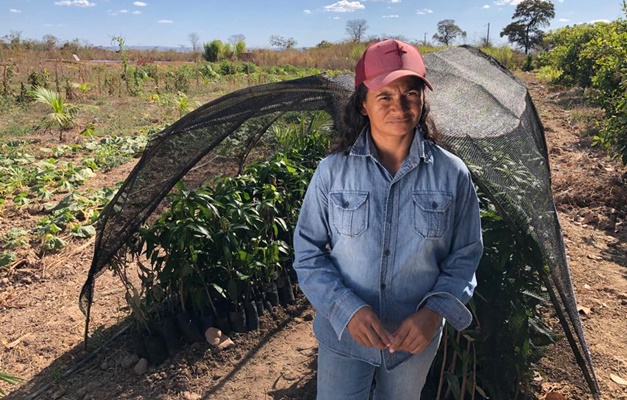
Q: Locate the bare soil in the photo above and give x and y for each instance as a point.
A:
(41, 327)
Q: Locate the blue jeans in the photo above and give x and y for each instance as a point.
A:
(345, 378)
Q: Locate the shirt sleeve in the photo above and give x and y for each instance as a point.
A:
(318, 277)
(456, 283)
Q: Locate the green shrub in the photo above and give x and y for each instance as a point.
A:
(38, 79)
(528, 65)
(213, 50)
(247, 68)
(226, 53)
(509, 58)
(206, 70)
(548, 73)
(182, 78)
(240, 47)
(290, 69)
(219, 242)
(594, 55)
(227, 68)
(568, 54)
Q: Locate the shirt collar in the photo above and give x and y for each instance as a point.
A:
(418, 150)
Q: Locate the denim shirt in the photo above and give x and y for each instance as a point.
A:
(394, 243)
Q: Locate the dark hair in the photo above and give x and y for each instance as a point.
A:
(353, 121)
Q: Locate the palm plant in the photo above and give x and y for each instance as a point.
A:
(63, 113)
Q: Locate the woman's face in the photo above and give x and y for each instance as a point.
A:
(395, 109)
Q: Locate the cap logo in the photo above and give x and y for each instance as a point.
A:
(399, 52)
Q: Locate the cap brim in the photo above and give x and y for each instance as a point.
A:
(380, 81)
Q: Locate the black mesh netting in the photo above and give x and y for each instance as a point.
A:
(484, 113)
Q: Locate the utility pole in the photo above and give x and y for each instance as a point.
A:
(424, 42)
(487, 40)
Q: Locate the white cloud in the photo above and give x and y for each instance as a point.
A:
(77, 3)
(424, 11)
(165, 21)
(136, 12)
(307, 11)
(486, 6)
(123, 11)
(506, 2)
(390, 16)
(600, 20)
(395, 1)
(345, 6)
(563, 20)
(139, 4)
(13, 10)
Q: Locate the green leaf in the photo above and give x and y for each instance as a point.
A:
(481, 392)
(232, 290)
(200, 229)
(7, 259)
(453, 383)
(53, 243)
(13, 380)
(218, 289)
(84, 231)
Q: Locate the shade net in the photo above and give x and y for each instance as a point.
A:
(485, 116)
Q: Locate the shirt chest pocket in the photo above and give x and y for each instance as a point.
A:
(349, 212)
(432, 213)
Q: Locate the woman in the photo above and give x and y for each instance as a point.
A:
(388, 237)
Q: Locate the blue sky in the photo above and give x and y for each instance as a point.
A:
(170, 22)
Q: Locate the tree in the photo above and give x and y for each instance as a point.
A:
(529, 16)
(75, 44)
(324, 44)
(448, 32)
(226, 53)
(14, 39)
(194, 39)
(356, 29)
(213, 50)
(280, 41)
(233, 39)
(50, 41)
(239, 47)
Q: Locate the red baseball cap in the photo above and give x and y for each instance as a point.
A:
(388, 60)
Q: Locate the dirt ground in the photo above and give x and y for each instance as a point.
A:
(41, 327)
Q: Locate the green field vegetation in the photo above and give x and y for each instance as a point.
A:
(594, 57)
(67, 121)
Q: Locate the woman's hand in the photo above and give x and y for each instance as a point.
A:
(367, 330)
(416, 332)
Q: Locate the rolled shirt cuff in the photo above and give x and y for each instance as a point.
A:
(343, 310)
(450, 308)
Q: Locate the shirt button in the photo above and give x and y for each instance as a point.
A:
(434, 205)
(345, 204)
(386, 252)
(382, 286)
